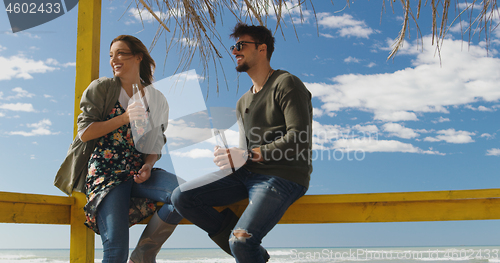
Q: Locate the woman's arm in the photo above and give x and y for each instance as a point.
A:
(145, 172)
(101, 128)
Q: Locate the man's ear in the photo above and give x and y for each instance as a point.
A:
(263, 48)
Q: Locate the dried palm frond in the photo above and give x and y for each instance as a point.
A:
(192, 23)
(484, 20)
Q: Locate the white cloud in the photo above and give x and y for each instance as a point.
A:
(187, 75)
(327, 134)
(317, 112)
(69, 64)
(346, 25)
(20, 93)
(326, 35)
(483, 108)
(351, 60)
(465, 76)
(189, 42)
(195, 153)
(39, 128)
(398, 130)
(21, 67)
(441, 119)
(365, 139)
(463, 6)
(459, 27)
(290, 8)
(395, 116)
(487, 136)
(452, 136)
(371, 64)
(181, 130)
(480, 108)
(370, 129)
(42, 123)
(22, 33)
(51, 61)
(144, 15)
(2, 48)
(54, 62)
(493, 152)
(368, 145)
(147, 17)
(27, 107)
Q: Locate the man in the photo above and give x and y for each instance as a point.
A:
(273, 159)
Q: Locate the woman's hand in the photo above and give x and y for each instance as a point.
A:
(135, 111)
(143, 174)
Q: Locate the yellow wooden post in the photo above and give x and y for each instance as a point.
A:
(87, 49)
(87, 69)
(82, 238)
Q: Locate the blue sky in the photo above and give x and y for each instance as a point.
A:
(419, 122)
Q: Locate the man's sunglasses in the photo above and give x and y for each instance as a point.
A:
(239, 45)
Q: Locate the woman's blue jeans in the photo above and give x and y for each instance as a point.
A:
(112, 213)
(269, 198)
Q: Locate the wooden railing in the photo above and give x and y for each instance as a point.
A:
(311, 209)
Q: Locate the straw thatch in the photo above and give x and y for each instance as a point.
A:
(191, 23)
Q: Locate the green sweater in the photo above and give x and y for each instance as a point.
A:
(278, 120)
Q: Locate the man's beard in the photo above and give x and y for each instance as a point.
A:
(243, 67)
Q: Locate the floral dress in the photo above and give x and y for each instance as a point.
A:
(114, 161)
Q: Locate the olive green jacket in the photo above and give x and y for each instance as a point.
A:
(97, 101)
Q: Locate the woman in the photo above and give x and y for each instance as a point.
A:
(120, 183)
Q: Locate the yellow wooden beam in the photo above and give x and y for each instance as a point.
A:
(479, 204)
(87, 49)
(29, 213)
(87, 69)
(393, 211)
(35, 199)
(35, 209)
(82, 238)
(401, 196)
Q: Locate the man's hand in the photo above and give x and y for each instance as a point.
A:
(229, 158)
(143, 174)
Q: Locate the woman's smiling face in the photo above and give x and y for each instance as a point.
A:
(123, 61)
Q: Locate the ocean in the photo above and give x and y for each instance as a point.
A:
(288, 255)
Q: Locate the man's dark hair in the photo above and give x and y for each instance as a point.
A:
(259, 34)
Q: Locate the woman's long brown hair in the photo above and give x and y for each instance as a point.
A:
(147, 65)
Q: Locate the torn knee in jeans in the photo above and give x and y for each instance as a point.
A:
(240, 235)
